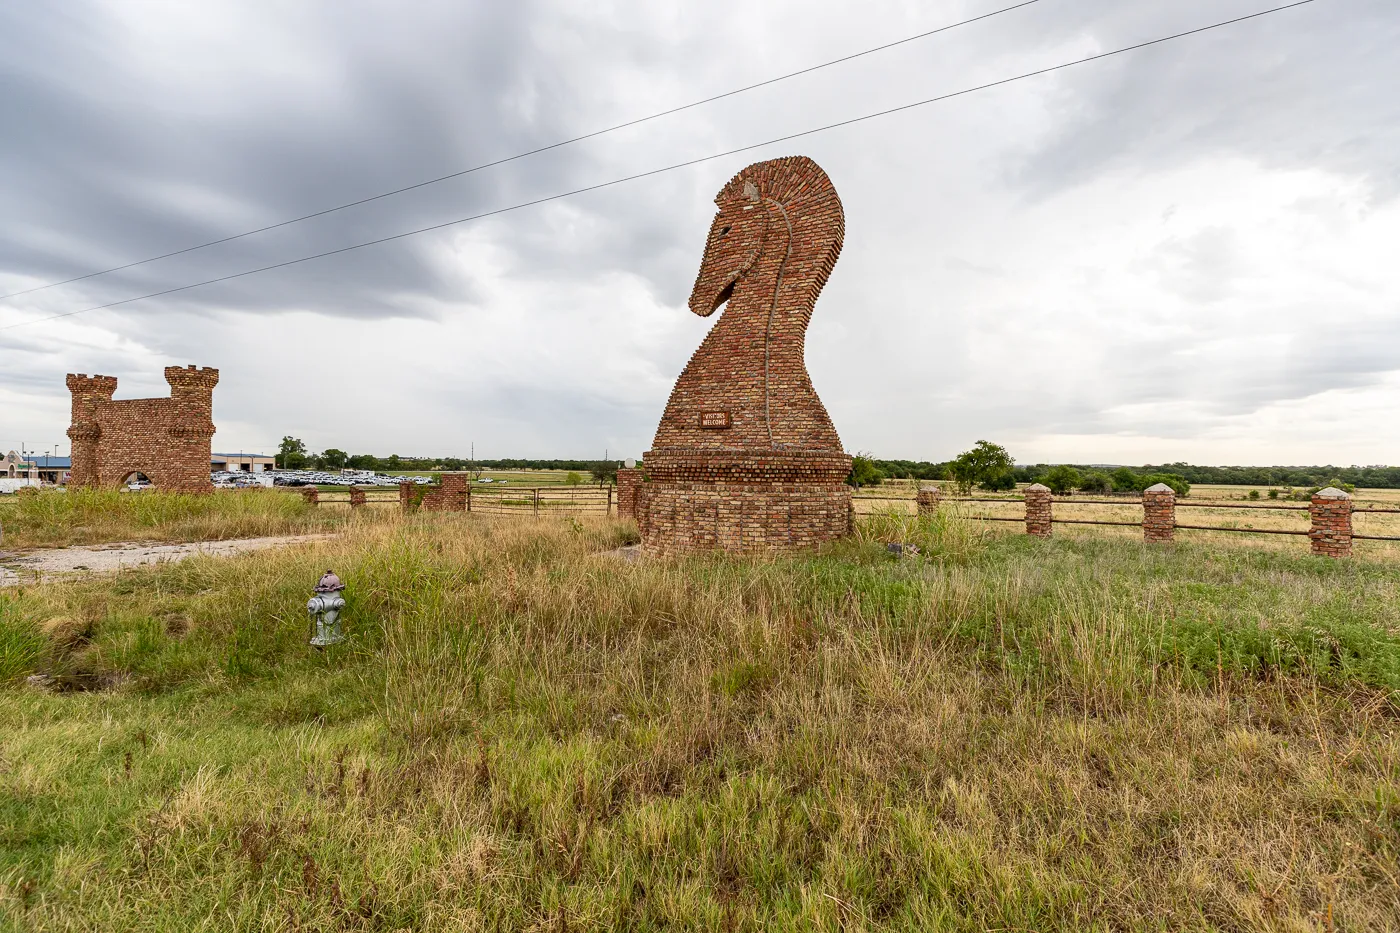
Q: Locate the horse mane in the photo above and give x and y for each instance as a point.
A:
(810, 200)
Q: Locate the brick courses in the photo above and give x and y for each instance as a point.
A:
(1038, 510)
(628, 479)
(746, 457)
(1158, 513)
(357, 497)
(1331, 523)
(449, 495)
(167, 439)
(311, 494)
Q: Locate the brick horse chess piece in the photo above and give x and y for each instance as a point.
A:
(746, 457)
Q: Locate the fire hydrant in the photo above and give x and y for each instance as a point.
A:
(324, 608)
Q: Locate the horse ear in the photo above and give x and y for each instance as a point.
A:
(750, 191)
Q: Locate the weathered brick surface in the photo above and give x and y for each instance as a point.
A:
(1331, 523)
(1038, 510)
(1158, 513)
(746, 456)
(357, 497)
(167, 439)
(448, 495)
(628, 479)
(311, 494)
(927, 499)
(680, 518)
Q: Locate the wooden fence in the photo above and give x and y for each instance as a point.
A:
(516, 500)
(1330, 529)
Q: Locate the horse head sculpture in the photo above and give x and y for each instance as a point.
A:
(771, 248)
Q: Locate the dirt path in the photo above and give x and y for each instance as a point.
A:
(105, 558)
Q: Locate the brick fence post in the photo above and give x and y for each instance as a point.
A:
(1331, 523)
(406, 496)
(628, 479)
(357, 497)
(927, 499)
(1158, 513)
(1038, 510)
(311, 494)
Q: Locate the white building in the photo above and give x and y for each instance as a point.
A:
(240, 463)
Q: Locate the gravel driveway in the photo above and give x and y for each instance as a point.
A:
(103, 558)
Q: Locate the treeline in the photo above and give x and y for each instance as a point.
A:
(293, 455)
(871, 470)
(1372, 477)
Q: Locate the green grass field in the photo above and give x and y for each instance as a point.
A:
(525, 733)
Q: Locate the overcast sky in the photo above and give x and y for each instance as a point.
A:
(1184, 253)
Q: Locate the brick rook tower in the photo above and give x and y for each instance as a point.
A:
(167, 439)
(746, 457)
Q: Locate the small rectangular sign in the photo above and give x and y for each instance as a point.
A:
(714, 419)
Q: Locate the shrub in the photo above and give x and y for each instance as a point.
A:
(864, 472)
(1175, 481)
(1062, 479)
(1254, 494)
(572, 479)
(1096, 481)
(1124, 480)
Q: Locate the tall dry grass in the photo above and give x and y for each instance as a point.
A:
(526, 732)
(56, 518)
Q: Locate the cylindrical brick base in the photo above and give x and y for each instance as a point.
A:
(927, 498)
(1331, 523)
(684, 518)
(1038, 510)
(1158, 513)
(357, 497)
(311, 494)
(628, 479)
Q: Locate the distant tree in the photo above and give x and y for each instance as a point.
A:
(394, 462)
(291, 454)
(984, 461)
(864, 472)
(1124, 479)
(1096, 481)
(1061, 479)
(362, 462)
(604, 471)
(333, 459)
(572, 478)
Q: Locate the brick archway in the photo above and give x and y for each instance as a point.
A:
(129, 475)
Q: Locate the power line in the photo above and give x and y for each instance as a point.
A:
(678, 165)
(522, 155)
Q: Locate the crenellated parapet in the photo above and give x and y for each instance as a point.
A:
(84, 386)
(189, 379)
